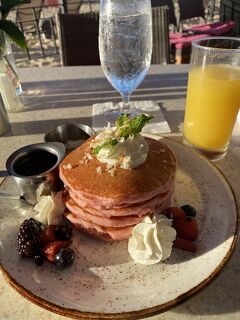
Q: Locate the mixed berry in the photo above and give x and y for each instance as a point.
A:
(186, 226)
(45, 243)
(52, 242)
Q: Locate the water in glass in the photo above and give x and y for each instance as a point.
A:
(125, 43)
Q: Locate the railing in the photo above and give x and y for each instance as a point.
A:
(68, 6)
(29, 21)
(40, 20)
(230, 10)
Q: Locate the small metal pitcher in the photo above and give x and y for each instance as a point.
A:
(35, 169)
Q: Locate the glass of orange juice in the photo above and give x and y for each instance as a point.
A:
(213, 95)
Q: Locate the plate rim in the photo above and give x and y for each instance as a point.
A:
(147, 312)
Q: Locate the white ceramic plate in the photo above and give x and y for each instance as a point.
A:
(104, 282)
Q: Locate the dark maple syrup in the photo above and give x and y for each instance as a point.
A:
(34, 162)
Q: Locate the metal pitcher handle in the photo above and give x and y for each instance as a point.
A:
(3, 173)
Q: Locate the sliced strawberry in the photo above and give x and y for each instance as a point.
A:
(185, 245)
(174, 213)
(187, 228)
(50, 250)
(48, 235)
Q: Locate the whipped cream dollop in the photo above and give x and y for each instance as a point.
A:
(50, 209)
(152, 240)
(126, 153)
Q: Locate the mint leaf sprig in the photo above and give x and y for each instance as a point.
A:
(126, 127)
(108, 142)
(131, 126)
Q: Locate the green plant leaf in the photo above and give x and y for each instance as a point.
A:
(121, 120)
(108, 142)
(14, 33)
(127, 126)
(7, 5)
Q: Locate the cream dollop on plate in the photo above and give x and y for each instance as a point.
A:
(152, 240)
(50, 209)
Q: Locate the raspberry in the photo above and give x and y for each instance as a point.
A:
(174, 213)
(187, 228)
(184, 244)
(51, 249)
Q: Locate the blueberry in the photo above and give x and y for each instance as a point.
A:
(63, 232)
(189, 210)
(38, 258)
(64, 257)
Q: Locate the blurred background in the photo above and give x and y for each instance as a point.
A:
(58, 29)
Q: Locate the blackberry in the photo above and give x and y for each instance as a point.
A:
(39, 259)
(28, 238)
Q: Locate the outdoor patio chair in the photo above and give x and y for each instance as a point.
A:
(181, 43)
(75, 6)
(189, 11)
(230, 10)
(160, 25)
(181, 46)
(171, 11)
(78, 38)
(71, 6)
(27, 17)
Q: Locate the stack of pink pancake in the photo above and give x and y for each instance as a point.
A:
(109, 204)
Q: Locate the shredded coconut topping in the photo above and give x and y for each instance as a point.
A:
(99, 170)
(86, 158)
(112, 172)
(111, 169)
(67, 166)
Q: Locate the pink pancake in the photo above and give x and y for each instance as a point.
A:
(115, 222)
(108, 206)
(155, 176)
(138, 209)
(80, 214)
(98, 231)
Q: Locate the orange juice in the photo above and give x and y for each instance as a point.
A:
(213, 101)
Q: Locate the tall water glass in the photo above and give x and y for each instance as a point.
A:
(125, 45)
(213, 95)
